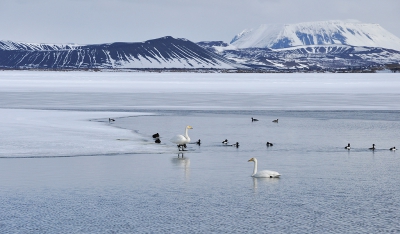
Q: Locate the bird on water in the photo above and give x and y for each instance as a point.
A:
(263, 173)
(182, 140)
(373, 147)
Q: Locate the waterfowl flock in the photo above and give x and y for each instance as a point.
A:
(182, 140)
(373, 148)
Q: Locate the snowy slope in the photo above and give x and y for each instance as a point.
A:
(166, 52)
(348, 32)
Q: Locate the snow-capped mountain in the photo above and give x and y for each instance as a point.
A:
(166, 52)
(350, 32)
(312, 57)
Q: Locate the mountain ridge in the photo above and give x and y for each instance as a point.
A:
(312, 48)
(165, 52)
(311, 57)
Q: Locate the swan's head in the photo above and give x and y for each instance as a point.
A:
(189, 127)
(252, 160)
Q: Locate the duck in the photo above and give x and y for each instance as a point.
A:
(393, 148)
(156, 135)
(263, 173)
(236, 145)
(111, 120)
(347, 147)
(252, 119)
(158, 141)
(198, 142)
(373, 147)
(269, 144)
(225, 141)
(181, 140)
(275, 121)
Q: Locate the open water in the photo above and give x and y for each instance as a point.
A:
(208, 189)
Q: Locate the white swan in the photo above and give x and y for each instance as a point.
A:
(264, 173)
(181, 140)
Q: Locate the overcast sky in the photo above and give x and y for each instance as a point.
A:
(104, 21)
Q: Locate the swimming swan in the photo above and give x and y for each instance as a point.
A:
(264, 173)
(181, 140)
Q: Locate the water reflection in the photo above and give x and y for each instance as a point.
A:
(260, 181)
(182, 162)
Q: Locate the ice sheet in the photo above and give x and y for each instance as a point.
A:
(43, 133)
(141, 82)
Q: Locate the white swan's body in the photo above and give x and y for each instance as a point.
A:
(263, 173)
(182, 140)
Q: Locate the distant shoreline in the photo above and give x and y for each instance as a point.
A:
(208, 70)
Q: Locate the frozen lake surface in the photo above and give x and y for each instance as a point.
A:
(66, 169)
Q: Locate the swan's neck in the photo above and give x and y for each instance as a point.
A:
(255, 167)
(186, 134)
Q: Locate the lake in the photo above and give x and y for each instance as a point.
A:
(144, 187)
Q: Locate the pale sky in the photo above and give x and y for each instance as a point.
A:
(105, 21)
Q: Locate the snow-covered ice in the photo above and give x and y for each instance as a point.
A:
(45, 133)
